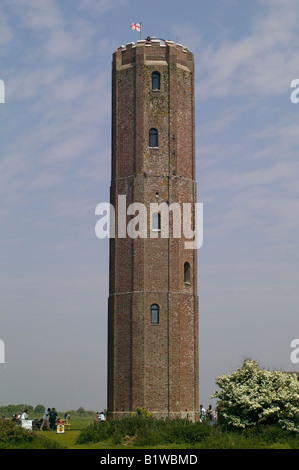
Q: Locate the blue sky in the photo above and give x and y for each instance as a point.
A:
(55, 141)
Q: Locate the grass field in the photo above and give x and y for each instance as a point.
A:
(149, 434)
(68, 438)
(78, 422)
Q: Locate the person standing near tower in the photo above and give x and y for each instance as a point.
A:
(52, 418)
(45, 420)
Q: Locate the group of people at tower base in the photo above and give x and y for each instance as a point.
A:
(208, 415)
(101, 416)
(49, 420)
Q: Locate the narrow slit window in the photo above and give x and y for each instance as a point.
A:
(156, 221)
(153, 138)
(156, 82)
(155, 314)
(187, 274)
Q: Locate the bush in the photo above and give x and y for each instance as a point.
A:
(250, 397)
(116, 429)
(269, 434)
(143, 412)
(180, 431)
(96, 432)
(130, 425)
(13, 435)
(148, 436)
(145, 431)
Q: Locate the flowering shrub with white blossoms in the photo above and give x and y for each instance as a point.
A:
(251, 396)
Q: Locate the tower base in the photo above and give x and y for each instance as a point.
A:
(192, 416)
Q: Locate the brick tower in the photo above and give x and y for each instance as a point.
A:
(153, 304)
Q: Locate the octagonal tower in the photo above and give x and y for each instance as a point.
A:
(153, 303)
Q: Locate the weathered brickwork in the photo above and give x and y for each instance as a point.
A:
(154, 366)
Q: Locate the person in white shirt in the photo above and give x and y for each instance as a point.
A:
(24, 415)
(45, 421)
(202, 413)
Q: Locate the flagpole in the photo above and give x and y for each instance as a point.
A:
(140, 32)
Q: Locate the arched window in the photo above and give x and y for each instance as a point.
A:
(153, 138)
(156, 221)
(156, 81)
(187, 274)
(155, 313)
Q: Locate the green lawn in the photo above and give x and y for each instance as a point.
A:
(68, 438)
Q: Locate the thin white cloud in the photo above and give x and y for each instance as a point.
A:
(6, 33)
(101, 6)
(39, 14)
(45, 180)
(65, 43)
(31, 83)
(261, 62)
(71, 147)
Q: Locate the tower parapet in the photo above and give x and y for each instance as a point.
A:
(153, 49)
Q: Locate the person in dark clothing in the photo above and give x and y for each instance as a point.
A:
(52, 418)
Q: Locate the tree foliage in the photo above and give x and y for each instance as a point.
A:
(251, 396)
(9, 410)
(39, 409)
(81, 410)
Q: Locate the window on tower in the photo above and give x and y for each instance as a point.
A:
(155, 314)
(156, 81)
(153, 138)
(156, 221)
(187, 274)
